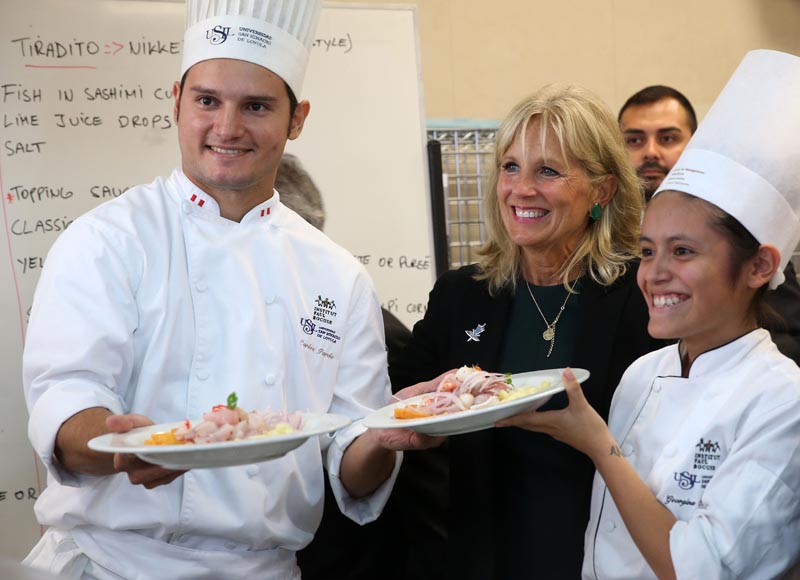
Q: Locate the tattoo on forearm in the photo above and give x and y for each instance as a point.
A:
(615, 451)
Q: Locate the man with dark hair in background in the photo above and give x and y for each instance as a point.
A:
(657, 123)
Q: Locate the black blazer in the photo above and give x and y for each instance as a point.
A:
(614, 334)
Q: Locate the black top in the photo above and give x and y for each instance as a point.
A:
(525, 349)
(547, 471)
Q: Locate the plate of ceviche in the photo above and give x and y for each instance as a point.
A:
(471, 400)
(227, 435)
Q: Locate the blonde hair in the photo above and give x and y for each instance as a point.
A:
(586, 131)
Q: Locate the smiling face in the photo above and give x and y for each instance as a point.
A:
(655, 136)
(687, 277)
(233, 125)
(544, 199)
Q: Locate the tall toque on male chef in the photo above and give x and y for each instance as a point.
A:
(274, 34)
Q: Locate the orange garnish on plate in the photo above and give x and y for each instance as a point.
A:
(164, 438)
(409, 412)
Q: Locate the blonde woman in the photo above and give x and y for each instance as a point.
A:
(555, 287)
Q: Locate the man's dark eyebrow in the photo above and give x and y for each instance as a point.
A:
(214, 93)
(635, 131)
(202, 89)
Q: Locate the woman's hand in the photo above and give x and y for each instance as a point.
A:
(577, 425)
(406, 439)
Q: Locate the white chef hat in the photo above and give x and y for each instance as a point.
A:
(745, 156)
(275, 34)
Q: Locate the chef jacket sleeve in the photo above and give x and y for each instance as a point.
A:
(362, 385)
(79, 347)
(750, 521)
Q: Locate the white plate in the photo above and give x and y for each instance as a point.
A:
(468, 421)
(222, 454)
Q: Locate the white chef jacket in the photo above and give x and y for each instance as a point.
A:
(154, 304)
(721, 450)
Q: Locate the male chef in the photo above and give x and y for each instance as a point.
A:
(656, 123)
(154, 306)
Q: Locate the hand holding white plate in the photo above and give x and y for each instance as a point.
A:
(222, 454)
(475, 420)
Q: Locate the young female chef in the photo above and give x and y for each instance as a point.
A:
(698, 470)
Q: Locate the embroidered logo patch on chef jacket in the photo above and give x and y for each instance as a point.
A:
(685, 479)
(325, 310)
(321, 325)
(707, 455)
(308, 326)
(689, 483)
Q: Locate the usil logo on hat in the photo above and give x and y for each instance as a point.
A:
(218, 34)
(274, 34)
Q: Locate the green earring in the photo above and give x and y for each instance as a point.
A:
(596, 211)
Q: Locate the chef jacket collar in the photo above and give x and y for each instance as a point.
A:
(723, 358)
(195, 200)
(263, 211)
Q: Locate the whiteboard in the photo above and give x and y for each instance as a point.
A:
(86, 112)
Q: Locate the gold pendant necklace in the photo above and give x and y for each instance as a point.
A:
(550, 330)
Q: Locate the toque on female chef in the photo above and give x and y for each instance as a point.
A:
(554, 286)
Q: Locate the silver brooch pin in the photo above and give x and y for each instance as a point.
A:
(475, 333)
